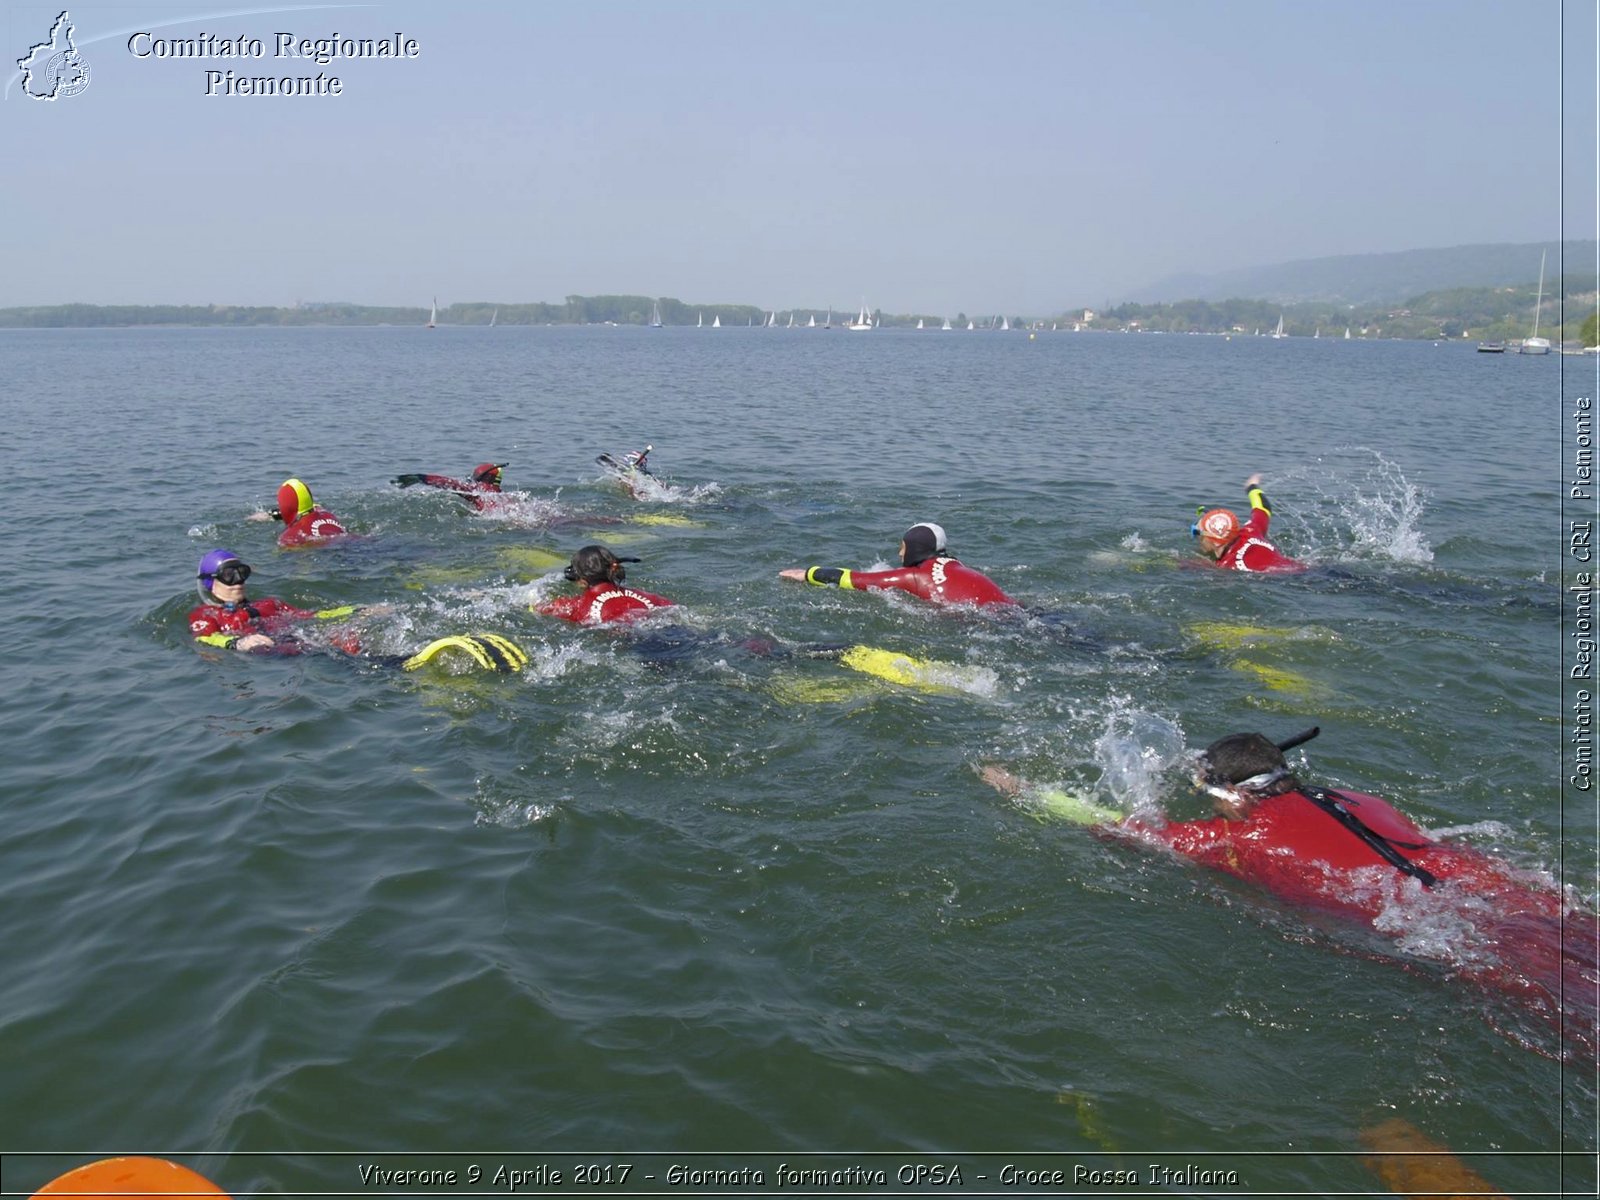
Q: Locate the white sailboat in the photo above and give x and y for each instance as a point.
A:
(970, 326)
(699, 320)
(433, 313)
(1537, 344)
(1005, 325)
(493, 317)
(864, 321)
(945, 328)
(919, 322)
(655, 314)
(828, 324)
(1278, 332)
(1347, 333)
(1318, 332)
(716, 321)
(812, 323)
(790, 325)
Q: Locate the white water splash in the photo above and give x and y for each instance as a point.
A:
(519, 510)
(1135, 752)
(1352, 504)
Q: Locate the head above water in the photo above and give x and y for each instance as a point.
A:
(294, 501)
(488, 473)
(921, 542)
(596, 564)
(219, 566)
(1242, 768)
(1215, 529)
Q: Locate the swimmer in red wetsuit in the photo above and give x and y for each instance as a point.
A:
(305, 523)
(603, 599)
(926, 570)
(479, 491)
(1235, 547)
(226, 618)
(1356, 855)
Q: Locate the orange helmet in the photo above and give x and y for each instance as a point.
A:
(294, 501)
(1217, 525)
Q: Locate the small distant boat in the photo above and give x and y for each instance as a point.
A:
(812, 323)
(1347, 333)
(772, 320)
(828, 324)
(1318, 332)
(1278, 332)
(493, 317)
(919, 322)
(790, 325)
(1491, 347)
(1005, 325)
(433, 314)
(699, 320)
(716, 322)
(1537, 344)
(864, 321)
(970, 326)
(655, 314)
(945, 328)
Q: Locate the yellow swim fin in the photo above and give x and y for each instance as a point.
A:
(490, 651)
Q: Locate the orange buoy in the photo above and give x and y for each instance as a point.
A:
(130, 1176)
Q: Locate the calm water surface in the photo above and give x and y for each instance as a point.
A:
(686, 896)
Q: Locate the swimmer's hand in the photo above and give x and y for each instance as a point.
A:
(793, 573)
(260, 516)
(1253, 481)
(253, 641)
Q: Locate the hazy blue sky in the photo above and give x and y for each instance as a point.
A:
(932, 157)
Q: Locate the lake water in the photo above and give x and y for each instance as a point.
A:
(292, 916)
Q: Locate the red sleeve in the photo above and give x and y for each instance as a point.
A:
(273, 609)
(1256, 526)
(904, 579)
(203, 622)
(565, 607)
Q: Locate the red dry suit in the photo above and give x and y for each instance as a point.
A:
(476, 493)
(603, 603)
(1525, 937)
(224, 624)
(942, 580)
(313, 528)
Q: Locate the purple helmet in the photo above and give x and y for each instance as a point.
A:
(212, 562)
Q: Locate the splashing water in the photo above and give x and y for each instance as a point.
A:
(1353, 504)
(1134, 751)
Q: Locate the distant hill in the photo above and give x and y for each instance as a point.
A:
(1375, 278)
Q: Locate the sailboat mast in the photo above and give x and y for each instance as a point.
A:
(1539, 302)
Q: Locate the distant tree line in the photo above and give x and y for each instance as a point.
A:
(1489, 314)
(1494, 314)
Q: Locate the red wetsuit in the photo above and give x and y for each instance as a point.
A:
(479, 495)
(313, 528)
(1250, 550)
(1523, 937)
(603, 603)
(222, 624)
(941, 580)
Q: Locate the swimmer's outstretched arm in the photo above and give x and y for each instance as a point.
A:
(821, 576)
